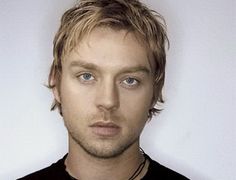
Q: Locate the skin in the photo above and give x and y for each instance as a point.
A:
(106, 90)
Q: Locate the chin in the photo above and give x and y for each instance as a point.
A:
(104, 150)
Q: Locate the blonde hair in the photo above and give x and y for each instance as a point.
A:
(130, 15)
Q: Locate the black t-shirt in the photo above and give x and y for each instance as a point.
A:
(57, 171)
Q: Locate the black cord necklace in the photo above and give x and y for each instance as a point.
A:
(139, 169)
(136, 173)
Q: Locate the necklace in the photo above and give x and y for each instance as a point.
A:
(137, 171)
(140, 167)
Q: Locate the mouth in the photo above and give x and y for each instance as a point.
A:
(105, 129)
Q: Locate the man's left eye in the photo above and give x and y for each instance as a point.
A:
(131, 81)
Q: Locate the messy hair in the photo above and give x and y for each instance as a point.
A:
(130, 15)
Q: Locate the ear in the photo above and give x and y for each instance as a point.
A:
(55, 89)
(56, 94)
(155, 96)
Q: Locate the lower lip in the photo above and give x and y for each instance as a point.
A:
(105, 131)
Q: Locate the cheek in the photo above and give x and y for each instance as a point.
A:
(75, 100)
(137, 104)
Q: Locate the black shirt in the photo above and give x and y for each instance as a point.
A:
(57, 171)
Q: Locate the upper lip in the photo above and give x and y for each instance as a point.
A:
(105, 124)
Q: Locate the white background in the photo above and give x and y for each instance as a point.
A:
(195, 134)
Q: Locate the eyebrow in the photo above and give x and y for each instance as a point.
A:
(83, 65)
(91, 66)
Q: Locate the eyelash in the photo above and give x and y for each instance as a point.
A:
(132, 85)
(123, 82)
(84, 80)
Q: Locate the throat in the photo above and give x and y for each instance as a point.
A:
(128, 168)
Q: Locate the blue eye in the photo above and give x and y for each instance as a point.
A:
(131, 81)
(86, 77)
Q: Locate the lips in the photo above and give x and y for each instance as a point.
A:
(105, 129)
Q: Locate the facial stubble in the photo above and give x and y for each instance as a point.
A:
(113, 147)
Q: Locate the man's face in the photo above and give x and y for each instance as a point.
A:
(106, 91)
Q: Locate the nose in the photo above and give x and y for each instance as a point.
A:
(107, 96)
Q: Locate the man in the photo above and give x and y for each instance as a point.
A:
(106, 77)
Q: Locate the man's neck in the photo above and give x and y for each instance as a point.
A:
(82, 165)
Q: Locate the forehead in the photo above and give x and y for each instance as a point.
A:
(111, 48)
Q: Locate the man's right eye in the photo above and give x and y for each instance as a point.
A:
(86, 77)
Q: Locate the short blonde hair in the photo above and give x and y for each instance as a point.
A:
(130, 15)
